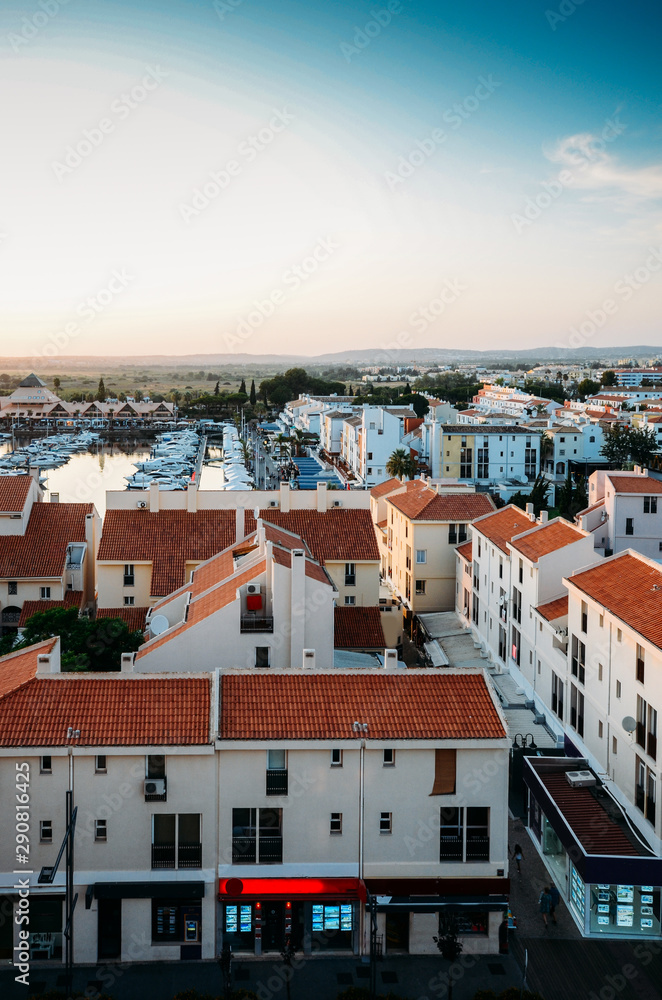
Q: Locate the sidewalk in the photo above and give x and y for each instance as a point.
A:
(525, 892)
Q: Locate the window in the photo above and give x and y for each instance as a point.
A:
(578, 659)
(386, 823)
(257, 836)
(641, 663)
(155, 767)
(176, 841)
(599, 671)
(614, 745)
(129, 576)
(629, 526)
(335, 824)
(388, 758)
(478, 833)
(618, 689)
(350, 600)
(515, 651)
(650, 505)
(46, 831)
(100, 763)
(369, 456)
(645, 793)
(521, 571)
(584, 616)
(460, 841)
(350, 574)
(336, 758)
(129, 601)
(169, 918)
(577, 710)
(12, 587)
(100, 829)
(619, 635)
(420, 586)
(557, 696)
(46, 765)
(262, 656)
(445, 764)
(45, 593)
(600, 729)
(421, 555)
(277, 777)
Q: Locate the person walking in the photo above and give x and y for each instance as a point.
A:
(545, 903)
(555, 897)
(518, 855)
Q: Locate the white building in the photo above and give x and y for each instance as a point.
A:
(625, 511)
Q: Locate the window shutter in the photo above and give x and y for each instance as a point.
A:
(444, 772)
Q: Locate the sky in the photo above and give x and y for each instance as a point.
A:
(306, 177)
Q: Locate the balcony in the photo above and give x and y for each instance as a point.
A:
(189, 855)
(450, 849)
(276, 781)
(271, 850)
(163, 855)
(244, 850)
(254, 623)
(478, 848)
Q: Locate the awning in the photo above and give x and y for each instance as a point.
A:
(442, 904)
(148, 890)
(292, 888)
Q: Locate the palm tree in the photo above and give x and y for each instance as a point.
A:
(298, 441)
(397, 464)
(546, 448)
(411, 467)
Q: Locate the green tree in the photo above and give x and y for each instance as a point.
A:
(616, 447)
(85, 645)
(101, 391)
(242, 387)
(397, 464)
(587, 387)
(418, 403)
(252, 397)
(217, 389)
(56, 383)
(643, 445)
(608, 378)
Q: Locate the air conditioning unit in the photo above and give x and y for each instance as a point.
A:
(141, 503)
(273, 503)
(580, 779)
(253, 588)
(337, 503)
(155, 786)
(562, 633)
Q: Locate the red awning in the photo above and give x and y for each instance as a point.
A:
(292, 888)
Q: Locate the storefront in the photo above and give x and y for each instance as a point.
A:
(258, 915)
(610, 883)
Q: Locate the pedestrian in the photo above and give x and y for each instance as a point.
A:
(518, 855)
(545, 903)
(555, 896)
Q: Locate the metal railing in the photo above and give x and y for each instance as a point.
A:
(189, 855)
(163, 855)
(253, 623)
(277, 781)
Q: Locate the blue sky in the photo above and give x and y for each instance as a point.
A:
(304, 177)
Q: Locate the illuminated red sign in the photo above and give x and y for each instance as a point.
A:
(292, 888)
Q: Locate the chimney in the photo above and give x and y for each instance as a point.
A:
(192, 498)
(321, 498)
(390, 658)
(154, 498)
(127, 661)
(55, 498)
(49, 663)
(34, 472)
(637, 470)
(239, 530)
(285, 497)
(298, 613)
(529, 512)
(308, 659)
(544, 516)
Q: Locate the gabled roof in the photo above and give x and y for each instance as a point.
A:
(407, 705)
(42, 550)
(133, 616)
(630, 587)
(337, 535)
(501, 526)
(623, 483)
(546, 538)
(72, 599)
(382, 489)
(552, 610)
(20, 667)
(14, 492)
(428, 505)
(358, 628)
(466, 551)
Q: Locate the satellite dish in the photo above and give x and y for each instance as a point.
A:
(629, 724)
(158, 624)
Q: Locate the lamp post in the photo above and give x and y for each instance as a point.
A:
(371, 905)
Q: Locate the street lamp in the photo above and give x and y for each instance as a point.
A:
(524, 742)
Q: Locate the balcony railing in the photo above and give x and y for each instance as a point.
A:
(189, 855)
(163, 855)
(450, 848)
(271, 850)
(478, 848)
(244, 850)
(276, 781)
(253, 623)
(651, 745)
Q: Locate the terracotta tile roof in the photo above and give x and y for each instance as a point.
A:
(313, 569)
(429, 705)
(382, 489)
(358, 628)
(466, 551)
(635, 484)
(503, 525)
(552, 610)
(546, 538)
(167, 539)
(19, 668)
(42, 550)
(337, 535)
(593, 506)
(631, 588)
(595, 830)
(72, 599)
(13, 493)
(134, 617)
(109, 711)
(428, 505)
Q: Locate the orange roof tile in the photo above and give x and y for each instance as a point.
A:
(109, 711)
(594, 828)
(441, 706)
(466, 551)
(167, 539)
(13, 493)
(42, 550)
(389, 485)
(630, 588)
(635, 484)
(72, 599)
(358, 628)
(134, 617)
(340, 535)
(554, 609)
(546, 538)
(20, 667)
(501, 526)
(428, 505)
